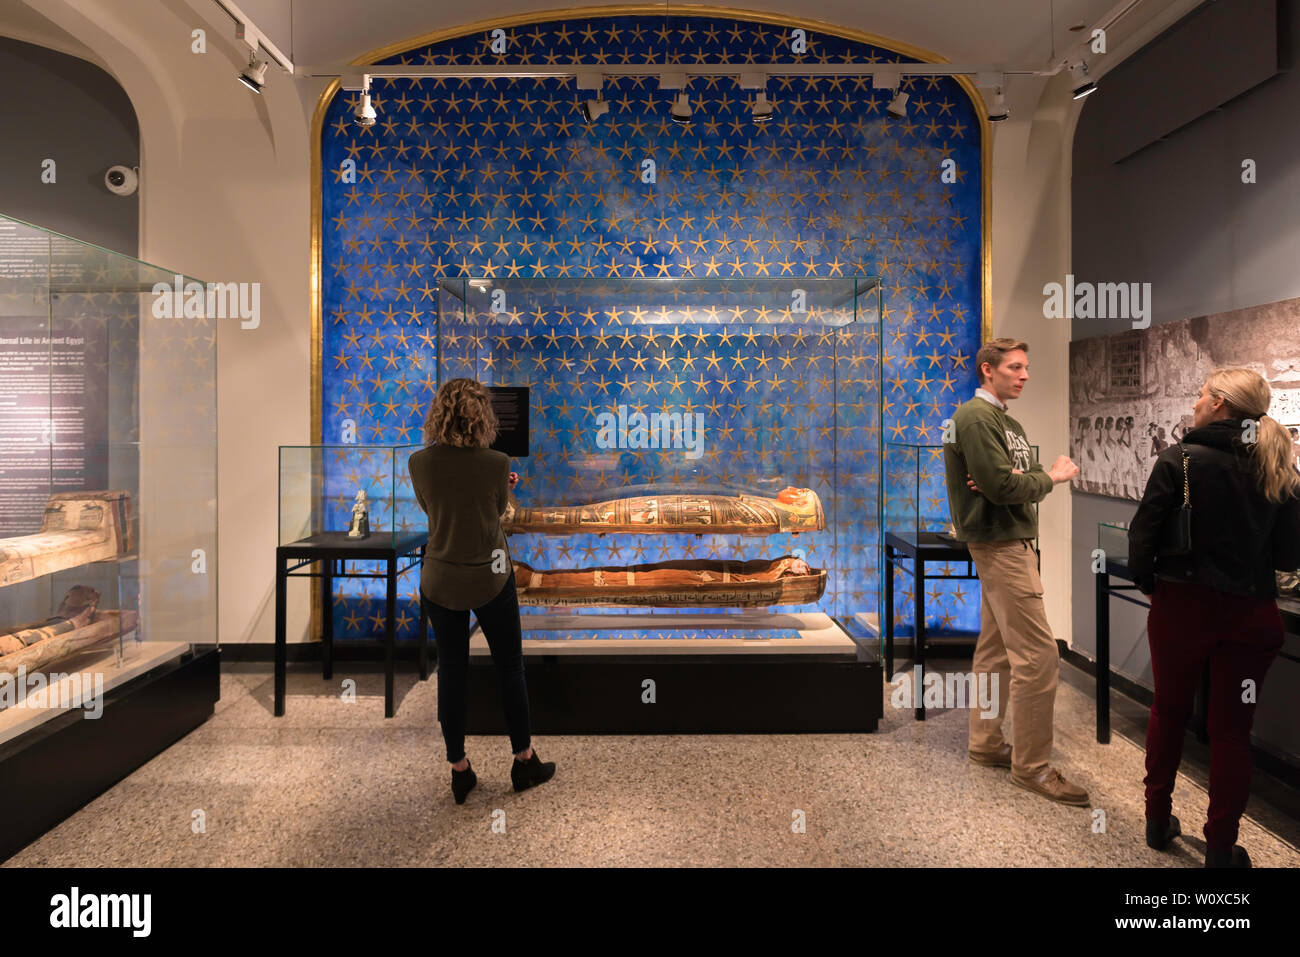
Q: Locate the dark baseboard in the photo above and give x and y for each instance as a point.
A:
(941, 648)
(353, 650)
(1284, 768)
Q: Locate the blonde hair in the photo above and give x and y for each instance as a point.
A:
(461, 414)
(1247, 396)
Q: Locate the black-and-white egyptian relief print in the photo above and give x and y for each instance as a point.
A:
(1131, 394)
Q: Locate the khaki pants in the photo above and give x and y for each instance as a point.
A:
(1016, 644)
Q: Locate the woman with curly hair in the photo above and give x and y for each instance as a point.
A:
(463, 487)
(1217, 602)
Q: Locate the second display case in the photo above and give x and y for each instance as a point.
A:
(343, 494)
(705, 455)
(699, 505)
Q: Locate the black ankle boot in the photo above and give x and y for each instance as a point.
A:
(527, 774)
(1158, 836)
(1237, 857)
(462, 782)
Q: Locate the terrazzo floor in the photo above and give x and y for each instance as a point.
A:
(335, 784)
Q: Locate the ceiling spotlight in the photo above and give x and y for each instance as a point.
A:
(681, 111)
(253, 76)
(762, 108)
(889, 80)
(1000, 109)
(1083, 84)
(593, 110)
(365, 112)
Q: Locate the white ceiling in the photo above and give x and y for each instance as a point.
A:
(323, 36)
(329, 33)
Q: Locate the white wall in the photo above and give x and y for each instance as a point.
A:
(1031, 229)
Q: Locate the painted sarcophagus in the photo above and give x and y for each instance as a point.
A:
(686, 583)
(792, 510)
(77, 528)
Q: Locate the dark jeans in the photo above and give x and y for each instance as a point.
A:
(1239, 636)
(499, 619)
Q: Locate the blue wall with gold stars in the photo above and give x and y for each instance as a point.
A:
(505, 178)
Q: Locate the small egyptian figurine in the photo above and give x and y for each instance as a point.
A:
(360, 526)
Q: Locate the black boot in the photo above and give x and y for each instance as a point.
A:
(1237, 857)
(462, 782)
(527, 774)
(1158, 837)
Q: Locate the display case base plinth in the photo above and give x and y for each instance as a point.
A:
(61, 766)
(693, 694)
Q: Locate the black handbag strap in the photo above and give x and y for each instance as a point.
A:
(1187, 492)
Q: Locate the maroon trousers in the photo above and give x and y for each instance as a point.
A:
(1239, 636)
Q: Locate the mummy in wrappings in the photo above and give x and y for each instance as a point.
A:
(77, 528)
(793, 510)
(684, 584)
(76, 626)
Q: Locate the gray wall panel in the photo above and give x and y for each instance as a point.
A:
(1176, 214)
(1182, 198)
(59, 107)
(1219, 52)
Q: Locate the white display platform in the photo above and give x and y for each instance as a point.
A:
(868, 622)
(138, 658)
(818, 634)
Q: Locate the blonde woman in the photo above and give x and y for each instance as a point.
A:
(462, 485)
(1218, 602)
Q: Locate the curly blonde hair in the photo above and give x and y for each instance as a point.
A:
(461, 414)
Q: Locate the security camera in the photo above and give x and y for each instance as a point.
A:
(121, 180)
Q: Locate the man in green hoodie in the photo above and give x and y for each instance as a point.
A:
(994, 484)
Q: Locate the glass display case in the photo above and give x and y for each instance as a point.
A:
(916, 492)
(108, 491)
(340, 494)
(1112, 539)
(916, 511)
(704, 457)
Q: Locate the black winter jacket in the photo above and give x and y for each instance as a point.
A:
(1238, 537)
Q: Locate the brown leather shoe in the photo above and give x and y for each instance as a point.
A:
(1052, 786)
(1001, 758)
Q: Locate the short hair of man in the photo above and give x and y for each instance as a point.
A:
(994, 352)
